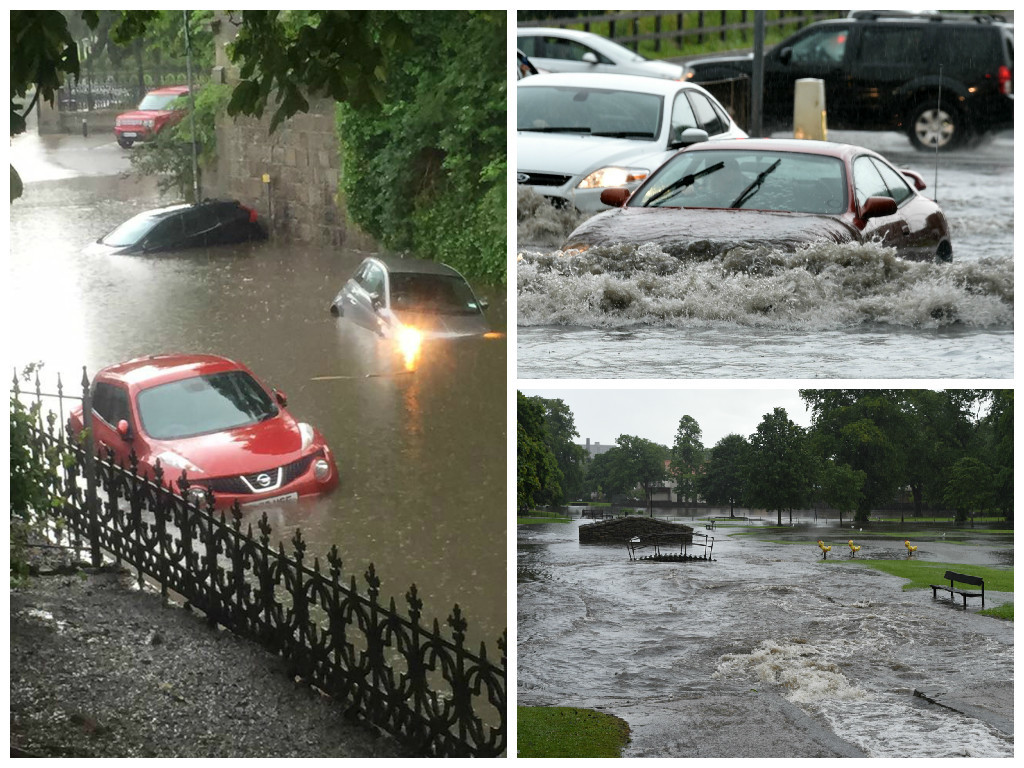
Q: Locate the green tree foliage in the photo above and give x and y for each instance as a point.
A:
(842, 487)
(537, 475)
(559, 431)
(969, 488)
(724, 478)
(687, 458)
(425, 166)
(638, 461)
(997, 442)
(169, 156)
(780, 468)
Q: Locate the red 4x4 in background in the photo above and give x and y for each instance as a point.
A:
(155, 112)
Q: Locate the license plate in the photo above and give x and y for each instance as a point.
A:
(129, 134)
(272, 499)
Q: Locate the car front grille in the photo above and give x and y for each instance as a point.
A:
(257, 482)
(542, 179)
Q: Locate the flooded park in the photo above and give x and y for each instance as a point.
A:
(421, 453)
(768, 650)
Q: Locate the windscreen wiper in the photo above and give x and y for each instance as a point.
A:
(754, 185)
(685, 181)
(625, 134)
(559, 129)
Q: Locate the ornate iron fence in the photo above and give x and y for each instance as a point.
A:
(388, 669)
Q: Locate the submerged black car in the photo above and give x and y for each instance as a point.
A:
(176, 227)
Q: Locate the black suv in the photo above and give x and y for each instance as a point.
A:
(881, 71)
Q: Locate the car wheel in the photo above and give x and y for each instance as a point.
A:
(125, 143)
(944, 253)
(932, 126)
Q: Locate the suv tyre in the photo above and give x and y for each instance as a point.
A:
(932, 125)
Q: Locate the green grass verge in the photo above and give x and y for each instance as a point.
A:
(1004, 612)
(922, 573)
(569, 732)
(536, 520)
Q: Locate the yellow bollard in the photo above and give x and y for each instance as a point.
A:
(809, 115)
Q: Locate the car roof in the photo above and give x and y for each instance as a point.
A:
(637, 83)
(571, 34)
(168, 89)
(145, 372)
(804, 146)
(402, 264)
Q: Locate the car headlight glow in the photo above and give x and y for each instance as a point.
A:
(409, 342)
(306, 431)
(612, 176)
(321, 469)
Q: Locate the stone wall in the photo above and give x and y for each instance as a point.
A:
(622, 529)
(302, 161)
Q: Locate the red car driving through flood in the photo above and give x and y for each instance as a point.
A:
(212, 418)
(779, 193)
(155, 112)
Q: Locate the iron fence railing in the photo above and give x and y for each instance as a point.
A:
(411, 679)
(116, 90)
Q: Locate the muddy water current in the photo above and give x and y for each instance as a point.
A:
(839, 646)
(421, 454)
(825, 311)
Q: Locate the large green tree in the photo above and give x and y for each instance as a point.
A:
(537, 475)
(780, 469)
(724, 478)
(687, 458)
(560, 431)
(641, 462)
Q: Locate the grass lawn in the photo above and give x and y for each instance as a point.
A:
(922, 574)
(569, 732)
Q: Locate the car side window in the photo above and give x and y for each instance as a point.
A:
(373, 280)
(199, 220)
(165, 234)
(820, 47)
(897, 44)
(709, 120)
(682, 116)
(570, 50)
(899, 189)
(867, 181)
(110, 403)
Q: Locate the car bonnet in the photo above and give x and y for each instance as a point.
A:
(574, 153)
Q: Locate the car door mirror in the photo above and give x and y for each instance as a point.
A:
(589, 57)
(616, 197)
(482, 303)
(785, 55)
(688, 137)
(375, 301)
(124, 429)
(916, 178)
(875, 207)
(281, 398)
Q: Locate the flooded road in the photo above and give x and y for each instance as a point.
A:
(827, 312)
(421, 454)
(766, 651)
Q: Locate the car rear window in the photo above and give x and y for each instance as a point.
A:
(203, 404)
(790, 181)
(436, 294)
(594, 111)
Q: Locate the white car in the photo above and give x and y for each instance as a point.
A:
(570, 50)
(580, 134)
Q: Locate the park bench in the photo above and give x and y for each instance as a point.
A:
(960, 578)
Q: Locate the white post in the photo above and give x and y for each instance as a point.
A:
(809, 116)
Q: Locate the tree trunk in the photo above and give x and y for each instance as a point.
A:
(780, 515)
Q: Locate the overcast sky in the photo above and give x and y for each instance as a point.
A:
(604, 414)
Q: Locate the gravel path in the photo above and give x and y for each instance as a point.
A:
(100, 669)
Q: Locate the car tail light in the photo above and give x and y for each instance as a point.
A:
(251, 212)
(1005, 80)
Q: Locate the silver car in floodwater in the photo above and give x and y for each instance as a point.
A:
(552, 49)
(395, 297)
(581, 134)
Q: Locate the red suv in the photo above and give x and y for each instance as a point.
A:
(212, 418)
(155, 112)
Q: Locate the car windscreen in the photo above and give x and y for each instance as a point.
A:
(593, 111)
(773, 181)
(132, 231)
(436, 294)
(203, 404)
(158, 101)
